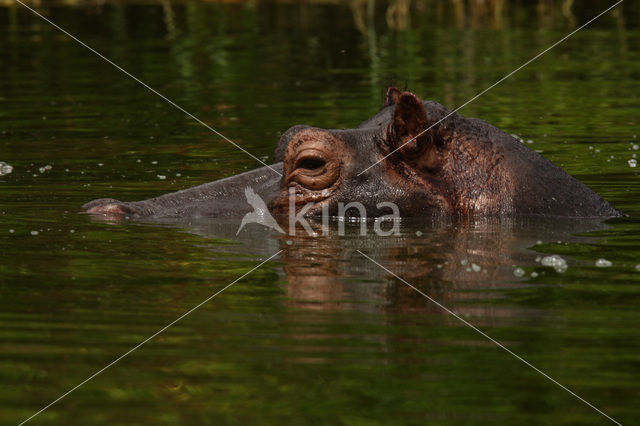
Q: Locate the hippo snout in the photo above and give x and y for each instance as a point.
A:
(109, 207)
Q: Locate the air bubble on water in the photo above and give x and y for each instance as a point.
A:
(11, 231)
(632, 163)
(418, 233)
(42, 170)
(538, 258)
(529, 140)
(100, 164)
(178, 174)
(161, 177)
(539, 242)
(638, 267)
(534, 274)
(5, 168)
(154, 162)
(590, 148)
(476, 268)
(635, 147)
(464, 261)
(138, 161)
(34, 232)
(556, 262)
(597, 150)
(518, 272)
(603, 263)
(289, 242)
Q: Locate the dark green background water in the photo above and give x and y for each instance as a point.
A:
(320, 335)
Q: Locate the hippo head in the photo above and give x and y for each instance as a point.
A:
(415, 157)
(394, 157)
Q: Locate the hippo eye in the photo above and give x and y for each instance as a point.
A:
(313, 160)
(311, 163)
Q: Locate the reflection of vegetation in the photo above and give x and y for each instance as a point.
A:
(79, 294)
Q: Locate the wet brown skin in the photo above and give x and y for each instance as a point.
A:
(460, 167)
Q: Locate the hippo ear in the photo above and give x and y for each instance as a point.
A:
(408, 132)
(392, 97)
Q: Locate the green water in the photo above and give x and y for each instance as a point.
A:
(319, 335)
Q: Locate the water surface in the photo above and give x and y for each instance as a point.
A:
(319, 335)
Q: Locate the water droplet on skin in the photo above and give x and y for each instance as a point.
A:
(603, 263)
(518, 272)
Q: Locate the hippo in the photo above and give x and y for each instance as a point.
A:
(416, 154)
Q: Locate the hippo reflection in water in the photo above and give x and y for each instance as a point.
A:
(461, 167)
